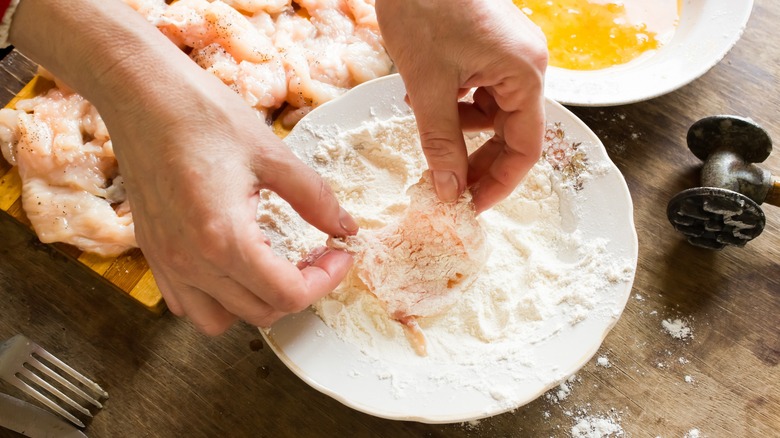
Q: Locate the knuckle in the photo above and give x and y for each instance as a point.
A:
(539, 59)
(292, 302)
(263, 318)
(211, 241)
(438, 146)
(325, 192)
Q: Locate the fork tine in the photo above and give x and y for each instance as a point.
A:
(75, 374)
(51, 373)
(46, 401)
(54, 391)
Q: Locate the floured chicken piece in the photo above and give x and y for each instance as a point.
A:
(71, 191)
(419, 266)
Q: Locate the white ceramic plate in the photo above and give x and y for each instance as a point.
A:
(707, 30)
(445, 393)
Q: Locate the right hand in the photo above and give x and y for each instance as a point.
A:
(442, 48)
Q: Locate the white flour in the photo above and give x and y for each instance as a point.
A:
(541, 275)
(596, 427)
(677, 328)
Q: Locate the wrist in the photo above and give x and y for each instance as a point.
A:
(101, 48)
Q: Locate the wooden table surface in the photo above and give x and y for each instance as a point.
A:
(167, 380)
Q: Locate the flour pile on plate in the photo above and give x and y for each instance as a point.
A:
(539, 277)
(419, 266)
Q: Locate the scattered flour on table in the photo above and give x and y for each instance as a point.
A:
(677, 328)
(562, 391)
(597, 427)
(541, 276)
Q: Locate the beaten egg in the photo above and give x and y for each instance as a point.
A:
(596, 34)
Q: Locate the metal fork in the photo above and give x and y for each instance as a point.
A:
(20, 365)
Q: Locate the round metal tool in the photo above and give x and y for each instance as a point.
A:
(737, 133)
(729, 146)
(713, 218)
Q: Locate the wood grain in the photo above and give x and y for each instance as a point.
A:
(166, 380)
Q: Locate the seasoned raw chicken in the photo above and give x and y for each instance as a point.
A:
(327, 50)
(254, 6)
(419, 266)
(71, 191)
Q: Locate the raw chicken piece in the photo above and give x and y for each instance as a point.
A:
(254, 6)
(62, 214)
(419, 266)
(199, 23)
(149, 9)
(227, 44)
(262, 85)
(71, 191)
(325, 52)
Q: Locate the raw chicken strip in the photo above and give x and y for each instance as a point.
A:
(262, 85)
(71, 191)
(254, 6)
(419, 266)
(199, 23)
(227, 44)
(149, 9)
(325, 51)
(61, 214)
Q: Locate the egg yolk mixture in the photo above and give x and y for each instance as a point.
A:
(593, 34)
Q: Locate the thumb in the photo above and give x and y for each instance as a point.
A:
(305, 191)
(435, 106)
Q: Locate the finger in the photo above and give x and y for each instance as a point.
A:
(281, 284)
(240, 301)
(523, 133)
(206, 314)
(312, 257)
(480, 114)
(281, 171)
(435, 106)
(481, 159)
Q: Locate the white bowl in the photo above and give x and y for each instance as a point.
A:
(706, 31)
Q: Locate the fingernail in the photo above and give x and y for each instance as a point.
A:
(446, 185)
(347, 222)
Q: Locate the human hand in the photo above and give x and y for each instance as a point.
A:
(193, 156)
(192, 177)
(443, 48)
